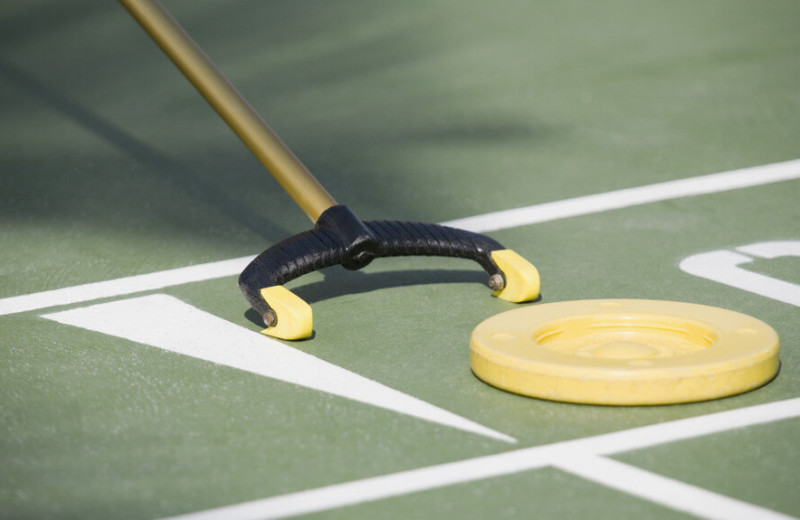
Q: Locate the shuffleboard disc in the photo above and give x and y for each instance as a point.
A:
(624, 352)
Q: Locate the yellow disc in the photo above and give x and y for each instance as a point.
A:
(624, 352)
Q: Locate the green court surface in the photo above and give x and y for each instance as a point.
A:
(134, 383)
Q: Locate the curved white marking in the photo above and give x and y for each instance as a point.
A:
(774, 249)
(723, 267)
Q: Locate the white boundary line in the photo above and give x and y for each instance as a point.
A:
(510, 462)
(123, 286)
(705, 184)
(662, 490)
(702, 185)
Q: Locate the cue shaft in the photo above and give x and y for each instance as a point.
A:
(265, 144)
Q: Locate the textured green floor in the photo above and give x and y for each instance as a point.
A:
(111, 165)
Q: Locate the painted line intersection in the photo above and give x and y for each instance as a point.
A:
(582, 457)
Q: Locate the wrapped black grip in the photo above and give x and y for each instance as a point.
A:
(339, 237)
(420, 239)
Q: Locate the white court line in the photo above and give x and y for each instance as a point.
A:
(682, 429)
(662, 490)
(705, 184)
(123, 286)
(716, 182)
(510, 462)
